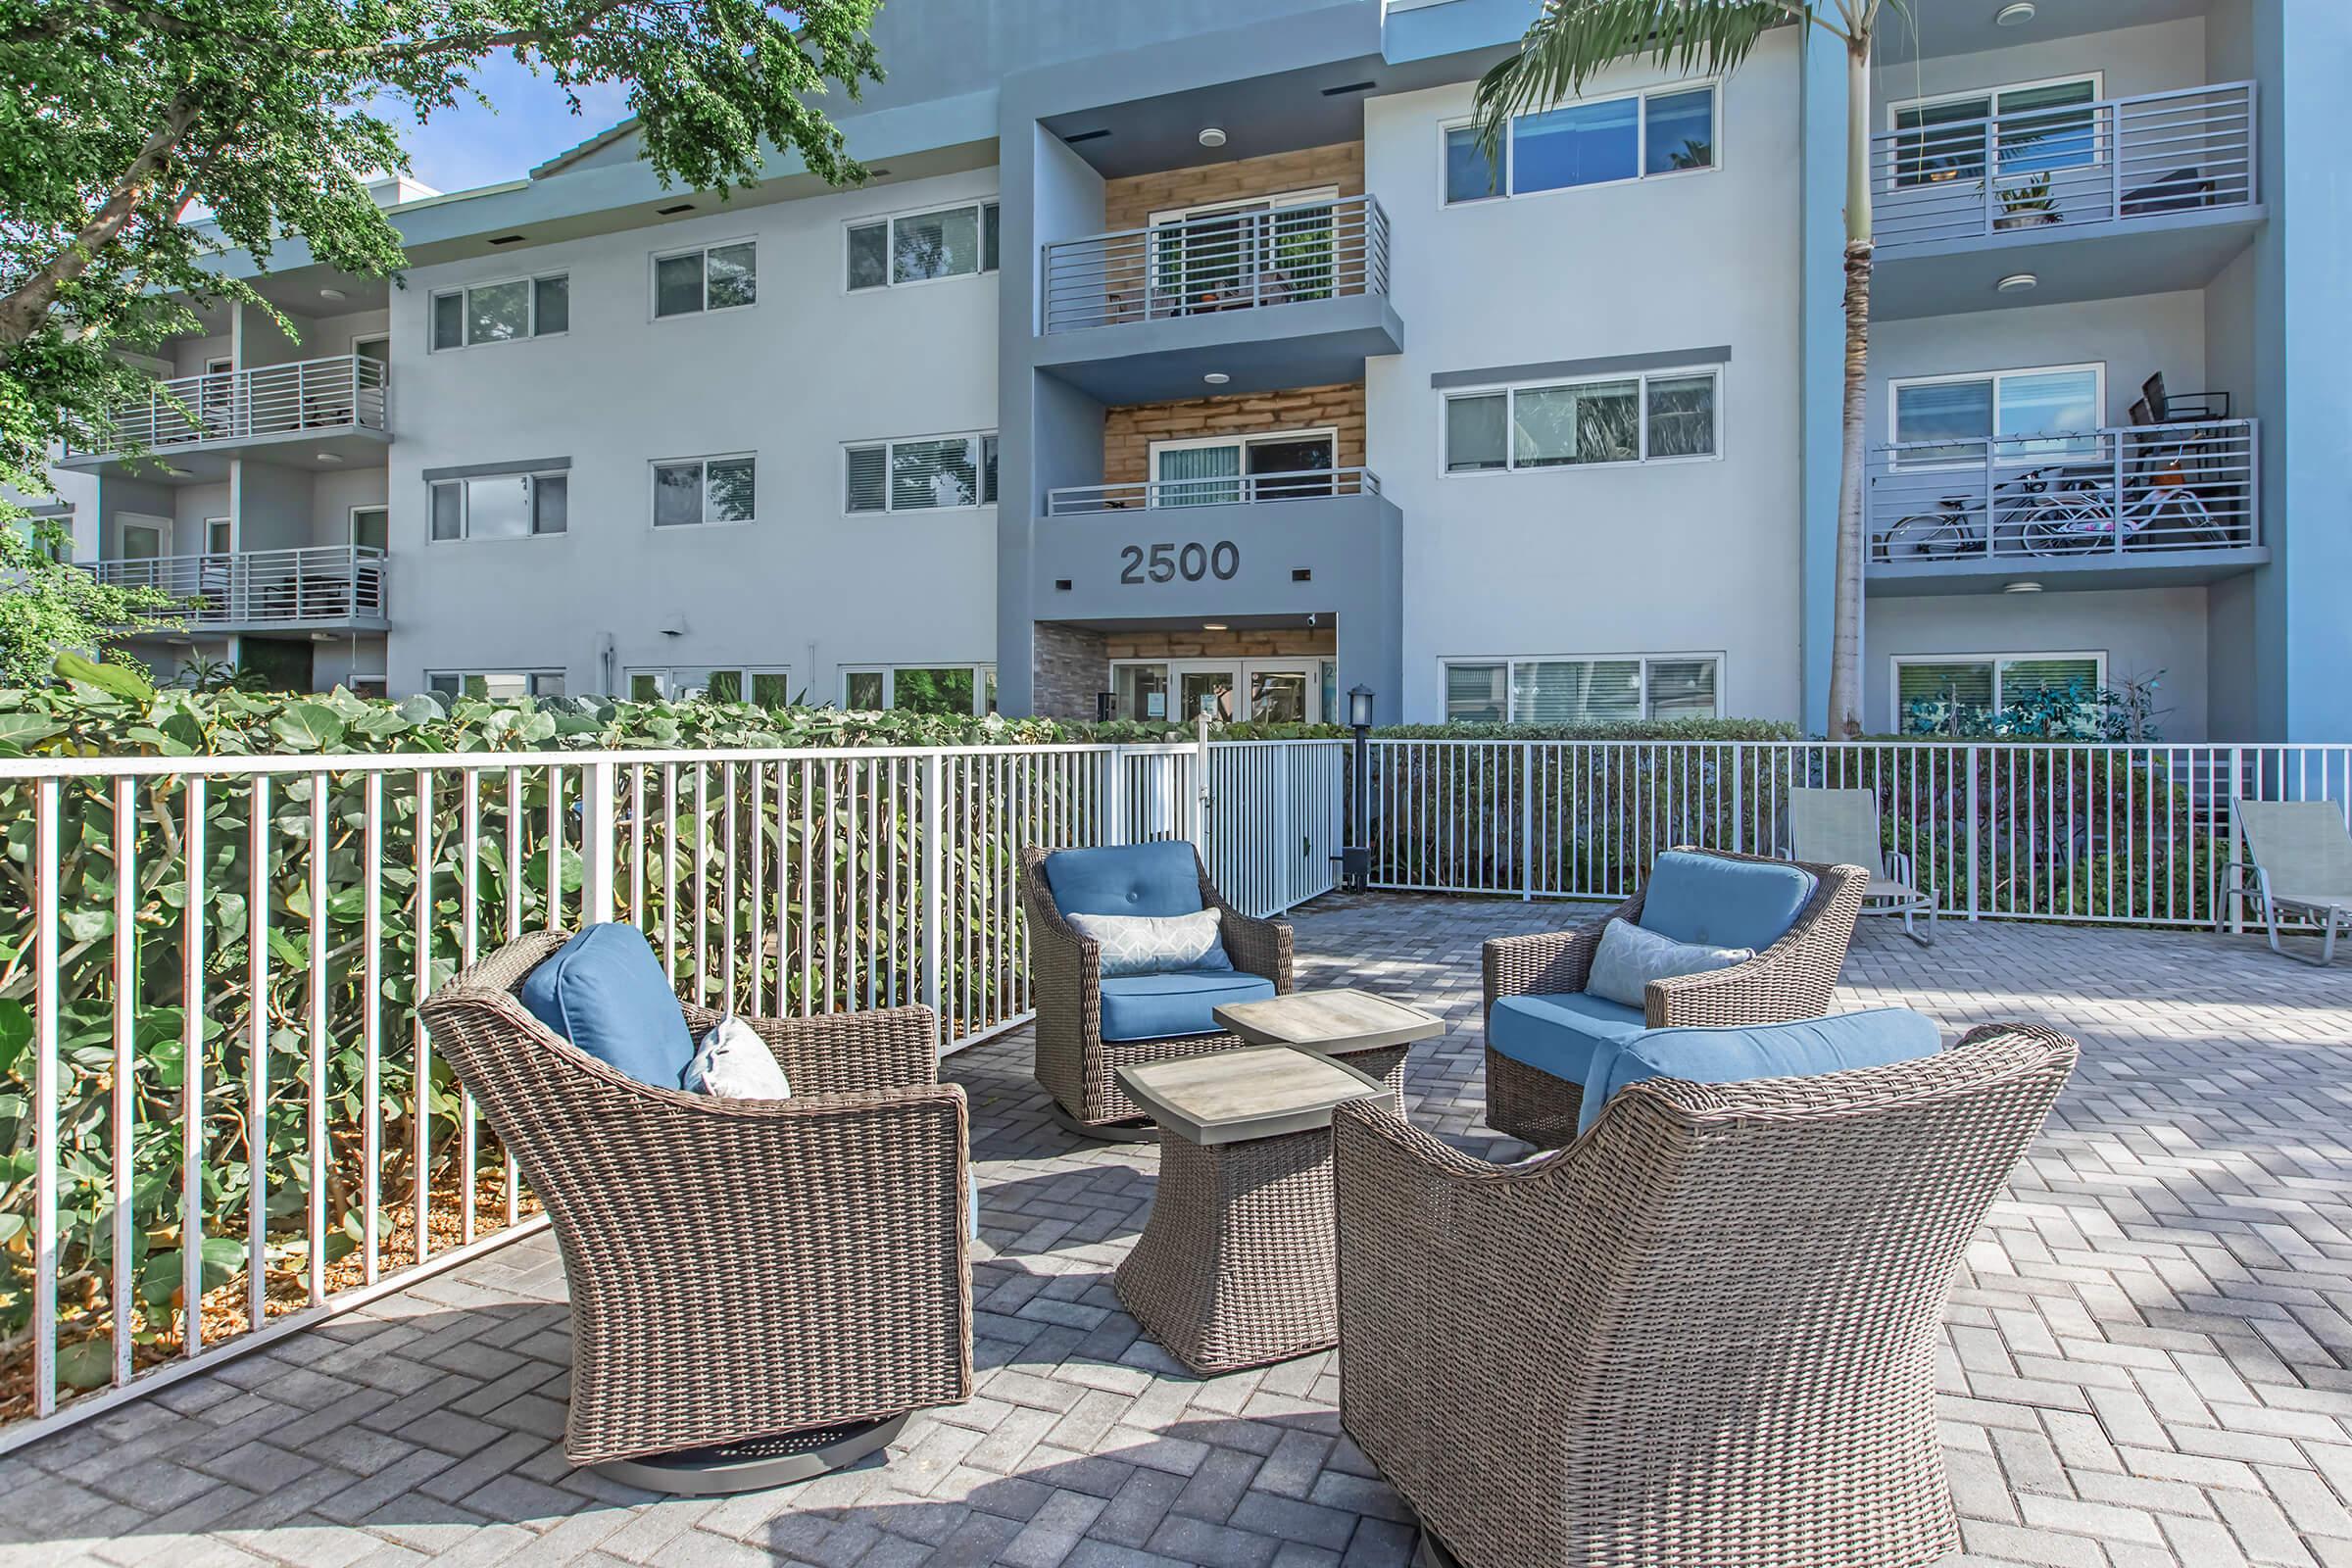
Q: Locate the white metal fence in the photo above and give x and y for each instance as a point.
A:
(269, 400)
(2032, 830)
(314, 585)
(1216, 262)
(219, 1115)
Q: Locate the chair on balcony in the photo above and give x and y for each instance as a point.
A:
(1705, 1333)
(1841, 827)
(1545, 1030)
(2298, 867)
(1088, 1023)
(760, 1288)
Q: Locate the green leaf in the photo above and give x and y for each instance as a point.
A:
(307, 726)
(119, 681)
(20, 730)
(86, 1363)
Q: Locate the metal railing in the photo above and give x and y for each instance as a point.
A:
(2044, 830)
(1302, 484)
(342, 392)
(2115, 492)
(2117, 160)
(221, 1133)
(1218, 262)
(317, 584)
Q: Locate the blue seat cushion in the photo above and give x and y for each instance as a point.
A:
(1160, 878)
(1723, 903)
(1562, 1033)
(605, 992)
(1877, 1037)
(1181, 1001)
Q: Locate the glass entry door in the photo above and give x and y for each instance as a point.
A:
(1282, 693)
(1264, 690)
(1207, 687)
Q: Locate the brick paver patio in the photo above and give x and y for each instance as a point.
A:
(2150, 1361)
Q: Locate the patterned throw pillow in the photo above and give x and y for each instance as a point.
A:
(1142, 944)
(1629, 959)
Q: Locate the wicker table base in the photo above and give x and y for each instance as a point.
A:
(1236, 1266)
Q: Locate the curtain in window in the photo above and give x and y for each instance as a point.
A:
(1198, 476)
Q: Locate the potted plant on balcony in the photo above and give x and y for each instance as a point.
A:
(2025, 204)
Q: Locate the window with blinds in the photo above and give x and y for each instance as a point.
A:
(1990, 681)
(1581, 690)
(932, 473)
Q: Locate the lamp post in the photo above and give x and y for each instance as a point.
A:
(1356, 858)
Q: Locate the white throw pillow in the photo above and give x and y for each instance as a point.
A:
(1146, 944)
(733, 1062)
(1629, 959)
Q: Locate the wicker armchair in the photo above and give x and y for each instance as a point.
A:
(1791, 979)
(1702, 1336)
(1075, 1064)
(738, 1269)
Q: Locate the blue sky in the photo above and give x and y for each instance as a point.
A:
(469, 145)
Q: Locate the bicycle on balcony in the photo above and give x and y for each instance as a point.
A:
(2024, 507)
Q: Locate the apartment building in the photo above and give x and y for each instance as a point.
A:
(1197, 356)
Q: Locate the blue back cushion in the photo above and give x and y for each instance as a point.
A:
(605, 992)
(1160, 878)
(1877, 1037)
(1723, 903)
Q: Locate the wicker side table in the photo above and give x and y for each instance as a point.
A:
(1370, 1032)
(1237, 1265)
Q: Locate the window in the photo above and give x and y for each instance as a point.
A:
(502, 505)
(371, 527)
(689, 492)
(917, 247)
(1599, 142)
(1581, 690)
(46, 534)
(498, 686)
(931, 473)
(1212, 470)
(717, 277)
(505, 311)
(764, 685)
(945, 689)
(1632, 418)
(2029, 414)
(2027, 129)
(220, 536)
(1986, 682)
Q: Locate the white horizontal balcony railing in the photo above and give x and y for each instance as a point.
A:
(344, 392)
(228, 1123)
(1303, 484)
(2117, 161)
(318, 585)
(2118, 493)
(1218, 262)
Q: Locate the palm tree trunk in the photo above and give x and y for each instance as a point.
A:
(1846, 638)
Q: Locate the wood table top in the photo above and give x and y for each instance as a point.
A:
(1231, 1097)
(1339, 1019)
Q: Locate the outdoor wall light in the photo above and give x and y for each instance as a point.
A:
(2018, 283)
(2024, 585)
(1211, 137)
(2014, 16)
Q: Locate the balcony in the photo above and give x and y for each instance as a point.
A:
(319, 587)
(1240, 490)
(2121, 196)
(2119, 507)
(309, 414)
(1286, 296)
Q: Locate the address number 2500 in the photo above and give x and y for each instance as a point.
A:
(1193, 562)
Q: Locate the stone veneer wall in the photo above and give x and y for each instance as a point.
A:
(1128, 433)
(1071, 668)
(1130, 203)
(1270, 642)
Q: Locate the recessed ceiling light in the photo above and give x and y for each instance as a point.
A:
(1212, 625)
(1211, 137)
(2016, 15)
(329, 456)
(2018, 283)
(333, 294)
(2024, 585)
(1216, 378)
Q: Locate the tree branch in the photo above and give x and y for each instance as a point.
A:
(474, 44)
(23, 312)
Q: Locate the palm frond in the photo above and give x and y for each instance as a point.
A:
(1574, 38)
